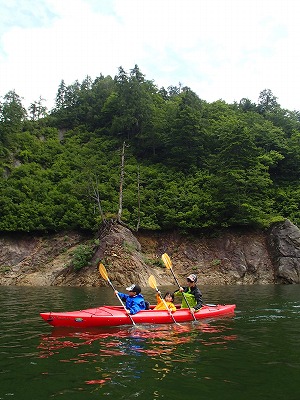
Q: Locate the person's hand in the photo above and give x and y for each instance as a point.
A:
(159, 293)
(181, 289)
(193, 310)
(127, 311)
(116, 292)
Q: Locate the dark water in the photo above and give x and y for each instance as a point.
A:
(253, 355)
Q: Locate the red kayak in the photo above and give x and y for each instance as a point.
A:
(116, 315)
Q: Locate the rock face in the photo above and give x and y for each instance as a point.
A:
(233, 257)
(284, 245)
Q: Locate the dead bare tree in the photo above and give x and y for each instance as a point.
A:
(95, 195)
(139, 199)
(119, 217)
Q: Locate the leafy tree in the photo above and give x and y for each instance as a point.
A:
(185, 139)
(60, 101)
(246, 105)
(37, 110)
(289, 168)
(242, 179)
(287, 121)
(12, 116)
(132, 103)
(267, 102)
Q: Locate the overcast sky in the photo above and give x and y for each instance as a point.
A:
(221, 49)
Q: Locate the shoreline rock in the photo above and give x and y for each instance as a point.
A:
(235, 257)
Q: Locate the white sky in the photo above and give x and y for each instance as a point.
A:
(221, 49)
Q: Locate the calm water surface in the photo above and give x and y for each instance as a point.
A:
(252, 355)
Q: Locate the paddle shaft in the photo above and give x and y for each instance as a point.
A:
(104, 274)
(167, 308)
(117, 294)
(152, 283)
(184, 296)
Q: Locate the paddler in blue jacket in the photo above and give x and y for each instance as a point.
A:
(134, 300)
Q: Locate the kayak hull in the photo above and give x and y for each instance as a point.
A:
(116, 315)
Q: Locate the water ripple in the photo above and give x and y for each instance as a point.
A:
(223, 357)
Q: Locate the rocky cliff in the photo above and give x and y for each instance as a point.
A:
(232, 257)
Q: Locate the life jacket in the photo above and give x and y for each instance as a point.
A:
(133, 304)
(190, 299)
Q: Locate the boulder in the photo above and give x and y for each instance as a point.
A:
(284, 248)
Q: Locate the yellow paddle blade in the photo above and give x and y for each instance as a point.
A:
(103, 272)
(152, 281)
(167, 261)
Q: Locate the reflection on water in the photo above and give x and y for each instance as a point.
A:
(161, 339)
(137, 348)
(254, 354)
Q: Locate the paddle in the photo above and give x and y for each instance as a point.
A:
(104, 275)
(167, 261)
(152, 283)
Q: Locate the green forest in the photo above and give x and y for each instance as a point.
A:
(152, 158)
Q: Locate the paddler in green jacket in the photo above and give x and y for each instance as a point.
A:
(192, 293)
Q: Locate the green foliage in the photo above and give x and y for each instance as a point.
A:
(82, 256)
(189, 165)
(215, 262)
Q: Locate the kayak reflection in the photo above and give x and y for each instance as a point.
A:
(152, 340)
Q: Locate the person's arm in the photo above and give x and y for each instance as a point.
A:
(172, 307)
(122, 296)
(198, 298)
(179, 291)
(158, 298)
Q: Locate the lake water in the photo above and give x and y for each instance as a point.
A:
(254, 354)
